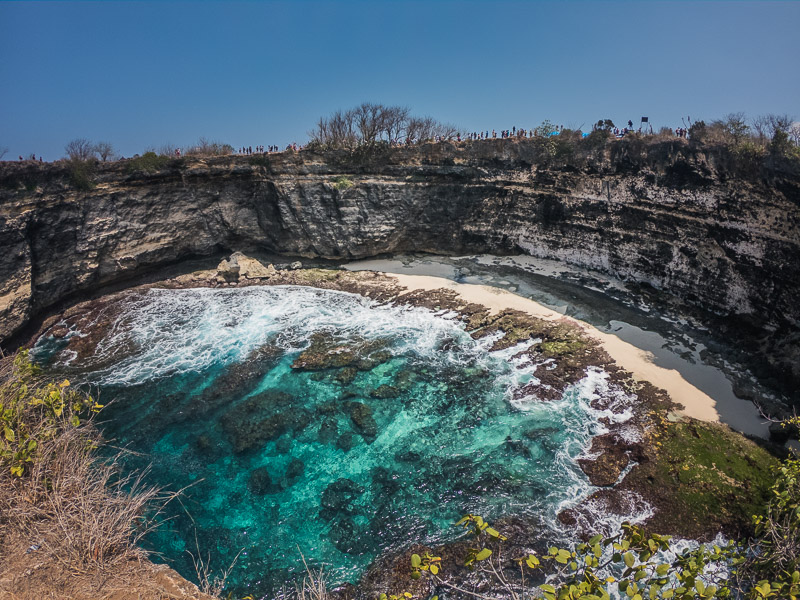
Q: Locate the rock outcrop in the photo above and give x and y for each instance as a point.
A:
(670, 216)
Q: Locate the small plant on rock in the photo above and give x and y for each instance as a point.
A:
(342, 183)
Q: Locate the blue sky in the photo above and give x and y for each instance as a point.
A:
(142, 74)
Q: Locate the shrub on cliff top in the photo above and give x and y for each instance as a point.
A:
(149, 162)
(80, 173)
(206, 147)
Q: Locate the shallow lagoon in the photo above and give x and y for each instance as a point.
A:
(413, 427)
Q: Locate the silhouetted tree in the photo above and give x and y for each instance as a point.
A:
(369, 124)
(104, 150)
(80, 149)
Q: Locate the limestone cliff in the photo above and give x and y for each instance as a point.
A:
(681, 219)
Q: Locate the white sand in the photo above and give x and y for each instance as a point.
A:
(639, 363)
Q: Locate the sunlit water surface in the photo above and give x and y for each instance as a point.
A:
(283, 461)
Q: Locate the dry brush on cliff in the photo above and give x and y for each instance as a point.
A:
(68, 519)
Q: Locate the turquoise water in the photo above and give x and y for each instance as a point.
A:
(414, 426)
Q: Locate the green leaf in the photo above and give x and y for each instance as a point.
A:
(629, 559)
(483, 554)
(434, 569)
(547, 588)
(494, 533)
(75, 420)
(416, 561)
(662, 569)
(9, 433)
(415, 575)
(700, 586)
(595, 540)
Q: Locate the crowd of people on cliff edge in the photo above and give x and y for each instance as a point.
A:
(249, 150)
(513, 133)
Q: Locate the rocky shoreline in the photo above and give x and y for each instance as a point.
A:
(637, 457)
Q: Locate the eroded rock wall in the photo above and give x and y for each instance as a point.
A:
(674, 217)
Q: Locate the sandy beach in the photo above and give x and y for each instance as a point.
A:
(697, 404)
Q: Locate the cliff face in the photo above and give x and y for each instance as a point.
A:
(670, 216)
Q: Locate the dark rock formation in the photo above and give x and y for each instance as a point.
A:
(671, 216)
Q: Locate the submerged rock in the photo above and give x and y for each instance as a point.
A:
(238, 379)
(340, 497)
(283, 445)
(405, 379)
(361, 415)
(346, 375)
(345, 441)
(328, 431)
(260, 483)
(345, 536)
(385, 391)
(247, 426)
(294, 471)
(408, 456)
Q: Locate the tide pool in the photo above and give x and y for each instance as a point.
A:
(320, 422)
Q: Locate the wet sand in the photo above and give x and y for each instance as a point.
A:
(697, 404)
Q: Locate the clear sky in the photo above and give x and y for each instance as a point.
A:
(142, 74)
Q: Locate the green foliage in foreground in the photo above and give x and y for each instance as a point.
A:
(643, 565)
(32, 411)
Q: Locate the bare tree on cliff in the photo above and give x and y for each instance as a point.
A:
(766, 126)
(3, 152)
(395, 123)
(80, 149)
(368, 124)
(336, 131)
(420, 129)
(104, 150)
(734, 125)
(369, 121)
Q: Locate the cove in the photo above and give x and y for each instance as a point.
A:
(325, 423)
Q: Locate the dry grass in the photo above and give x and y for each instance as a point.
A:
(73, 513)
(75, 506)
(314, 586)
